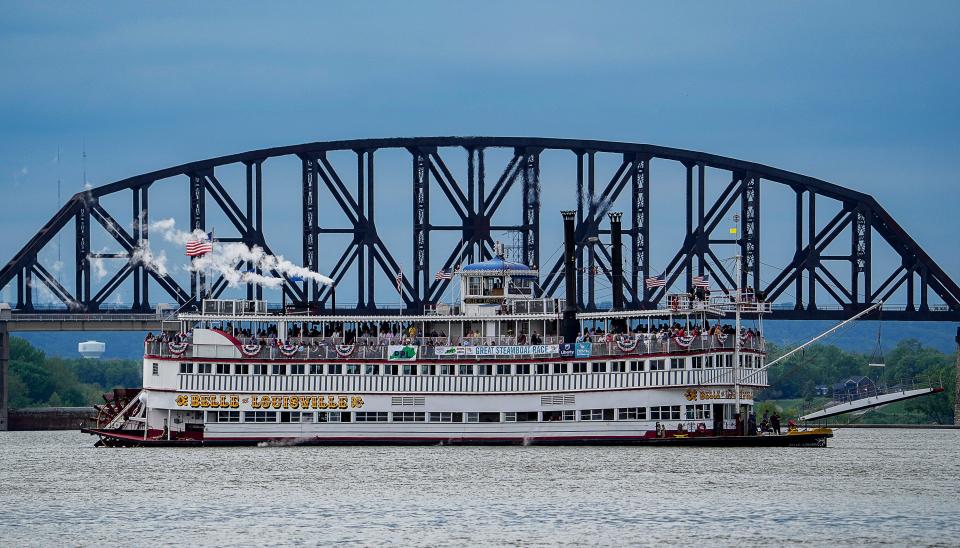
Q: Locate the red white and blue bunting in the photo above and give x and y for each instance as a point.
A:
(627, 343)
(250, 350)
(344, 350)
(684, 342)
(177, 349)
(288, 350)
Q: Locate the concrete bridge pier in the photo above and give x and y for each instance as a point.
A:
(4, 363)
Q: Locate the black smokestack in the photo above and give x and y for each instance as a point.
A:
(616, 241)
(569, 271)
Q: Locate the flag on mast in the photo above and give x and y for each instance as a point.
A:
(200, 246)
(399, 279)
(701, 281)
(656, 281)
(443, 274)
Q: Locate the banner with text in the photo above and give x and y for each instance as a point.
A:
(473, 351)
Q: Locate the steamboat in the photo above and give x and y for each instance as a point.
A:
(501, 366)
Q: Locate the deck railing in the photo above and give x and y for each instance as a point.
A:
(513, 383)
(332, 349)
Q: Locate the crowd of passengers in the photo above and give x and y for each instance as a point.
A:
(393, 333)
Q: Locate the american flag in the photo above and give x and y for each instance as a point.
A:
(399, 278)
(202, 246)
(701, 281)
(443, 274)
(656, 281)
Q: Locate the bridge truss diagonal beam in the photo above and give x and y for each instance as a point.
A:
(845, 280)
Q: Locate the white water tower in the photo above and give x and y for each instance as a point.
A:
(91, 350)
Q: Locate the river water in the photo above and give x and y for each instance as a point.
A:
(899, 487)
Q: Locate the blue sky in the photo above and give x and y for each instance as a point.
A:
(862, 94)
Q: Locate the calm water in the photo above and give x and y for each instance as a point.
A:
(894, 487)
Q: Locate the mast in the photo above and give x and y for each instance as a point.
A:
(736, 334)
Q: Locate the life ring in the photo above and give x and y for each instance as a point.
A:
(701, 428)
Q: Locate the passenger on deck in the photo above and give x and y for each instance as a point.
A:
(661, 431)
(775, 422)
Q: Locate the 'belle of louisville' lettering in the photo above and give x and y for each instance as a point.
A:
(232, 401)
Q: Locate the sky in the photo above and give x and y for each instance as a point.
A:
(861, 94)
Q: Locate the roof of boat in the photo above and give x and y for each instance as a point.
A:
(498, 264)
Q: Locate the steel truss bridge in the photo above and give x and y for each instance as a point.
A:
(821, 284)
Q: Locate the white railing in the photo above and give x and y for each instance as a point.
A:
(460, 384)
(326, 349)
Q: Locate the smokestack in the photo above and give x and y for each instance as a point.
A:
(616, 241)
(570, 273)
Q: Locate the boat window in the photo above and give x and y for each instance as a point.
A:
(279, 369)
(428, 369)
(696, 362)
(371, 369)
(466, 369)
(333, 416)
(708, 362)
(618, 367)
(298, 368)
(657, 365)
(353, 369)
(473, 286)
(223, 416)
(204, 368)
(316, 369)
(408, 369)
(560, 367)
(446, 417)
(335, 369)
(636, 365)
(580, 367)
(409, 416)
(259, 369)
(489, 417)
(503, 369)
(554, 416)
(446, 369)
(596, 414)
(259, 416)
(223, 369)
(296, 416)
(523, 369)
(186, 368)
(241, 368)
(599, 367)
(677, 363)
(485, 369)
(543, 368)
(632, 414)
(699, 411)
(156, 369)
(372, 416)
(391, 369)
(665, 412)
(728, 360)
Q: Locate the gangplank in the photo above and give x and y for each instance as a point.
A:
(872, 401)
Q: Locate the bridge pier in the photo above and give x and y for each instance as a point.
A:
(4, 361)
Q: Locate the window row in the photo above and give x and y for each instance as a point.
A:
(468, 369)
(657, 413)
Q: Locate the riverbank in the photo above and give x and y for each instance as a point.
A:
(49, 418)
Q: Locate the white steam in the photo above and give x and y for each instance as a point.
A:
(224, 259)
